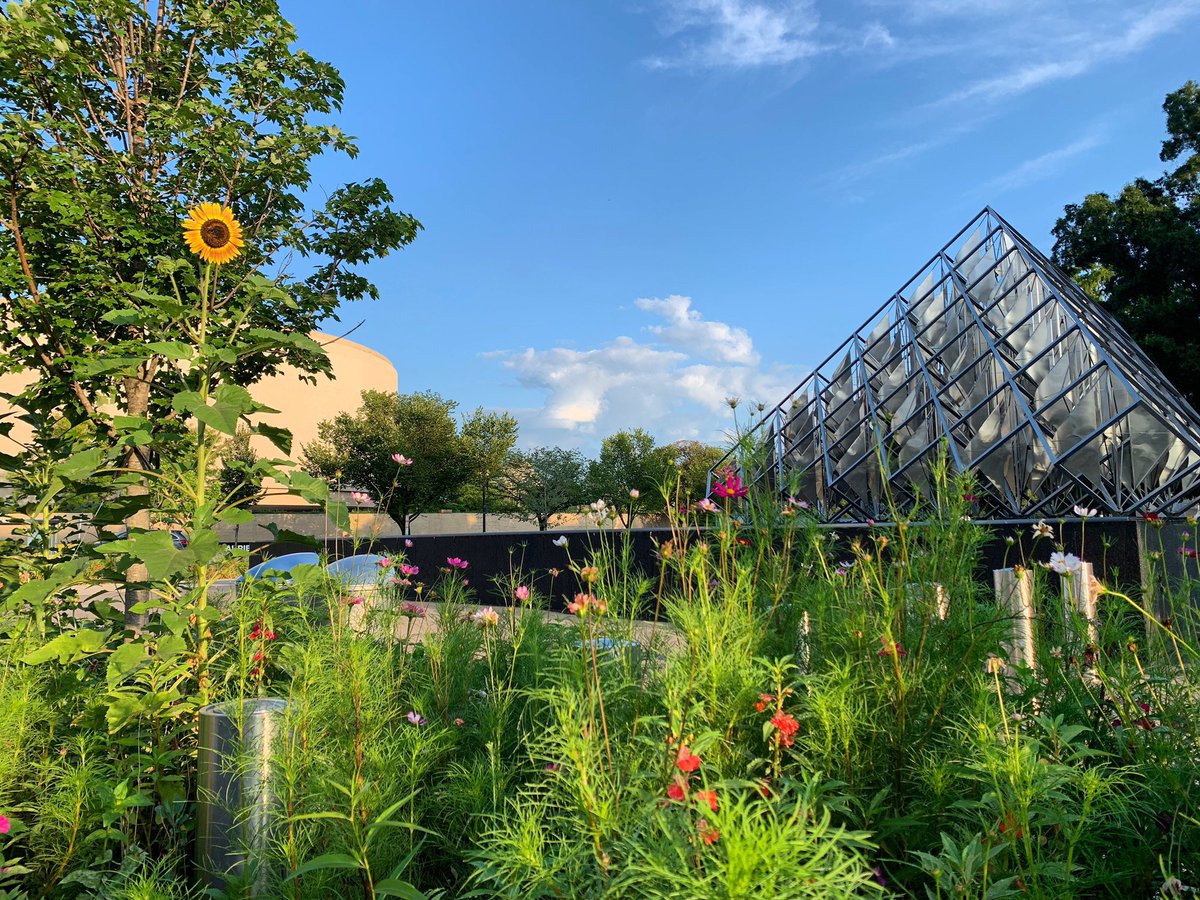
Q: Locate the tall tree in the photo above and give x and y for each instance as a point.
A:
(543, 482)
(487, 438)
(359, 451)
(119, 115)
(1139, 253)
(692, 461)
(628, 462)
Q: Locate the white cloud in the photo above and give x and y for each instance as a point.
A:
(689, 330)
(740, 34)
(1041, 166)
(673, 386)
(1099, 35)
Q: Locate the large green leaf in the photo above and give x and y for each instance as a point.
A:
(230, 402)
(171, 349)
(157, 550)
(280, 437)
(69, 646)
(126, 660)
(81, 466)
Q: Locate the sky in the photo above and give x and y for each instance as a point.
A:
(634, 210)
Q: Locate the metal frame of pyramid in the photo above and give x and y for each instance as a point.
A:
(991, 354)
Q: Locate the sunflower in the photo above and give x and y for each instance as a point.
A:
(212, 233)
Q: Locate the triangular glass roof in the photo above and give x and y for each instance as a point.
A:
(991, 351)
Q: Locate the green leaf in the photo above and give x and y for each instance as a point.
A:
(170, 646)
(326, 861)
(171, 349)
(281, 438)
(235, 515)
(394, 887)
(124, 661)
(69, 646)
(128, 316)
(157, 550)
(230, 403)
(122, 710)
(81, 466)
(120, 509)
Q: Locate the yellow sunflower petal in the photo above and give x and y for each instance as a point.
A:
(212, 233)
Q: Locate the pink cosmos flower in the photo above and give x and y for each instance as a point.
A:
(416, 718)
(521, 593)
(401, 460)
(384, 562)
(634, 493)
(5, 825)
(406, 569)
(455, 563)
(707, 505)
(360, 497)
(487, 617)
(354, 601)
(408, 543)
(730, 488)
(585, 603)
(408, 608)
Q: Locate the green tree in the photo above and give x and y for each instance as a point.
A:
(1138, 253)
(628, 461)
(118, 115)
(543, 482)
(487, 437)
(693, 461)
(357, 450)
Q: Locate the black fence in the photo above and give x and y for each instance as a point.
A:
(495, 559)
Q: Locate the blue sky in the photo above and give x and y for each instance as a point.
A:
(635, 209)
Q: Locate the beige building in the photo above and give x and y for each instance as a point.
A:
(302, 406)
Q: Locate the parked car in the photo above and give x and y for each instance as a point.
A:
(178, 537)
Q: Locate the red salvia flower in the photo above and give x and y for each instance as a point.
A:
(763, 700)
(687, 761)
(785, 723)
(678, 789)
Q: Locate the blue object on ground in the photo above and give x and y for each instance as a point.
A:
(354, 570)
(281, 565)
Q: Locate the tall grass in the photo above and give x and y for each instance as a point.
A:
(778, 710)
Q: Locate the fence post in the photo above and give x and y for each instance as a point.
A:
(1080, 591)
(1014, 592)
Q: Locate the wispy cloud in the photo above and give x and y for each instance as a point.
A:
(751, 34)
(674, 385)
(1089, 41)
(1042, 166)
(849, 175)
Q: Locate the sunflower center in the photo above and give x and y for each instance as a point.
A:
(214, 233)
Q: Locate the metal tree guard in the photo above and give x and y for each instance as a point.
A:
(993, 352)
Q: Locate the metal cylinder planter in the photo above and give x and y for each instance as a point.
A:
(237, 809)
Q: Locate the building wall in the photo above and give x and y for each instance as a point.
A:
(302, 406)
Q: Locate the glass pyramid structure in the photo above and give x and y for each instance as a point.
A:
(991, 352)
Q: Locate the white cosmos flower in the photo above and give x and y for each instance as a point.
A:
(1064, 563)
(1042, 530)
(1084, 513)
(561, 541)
